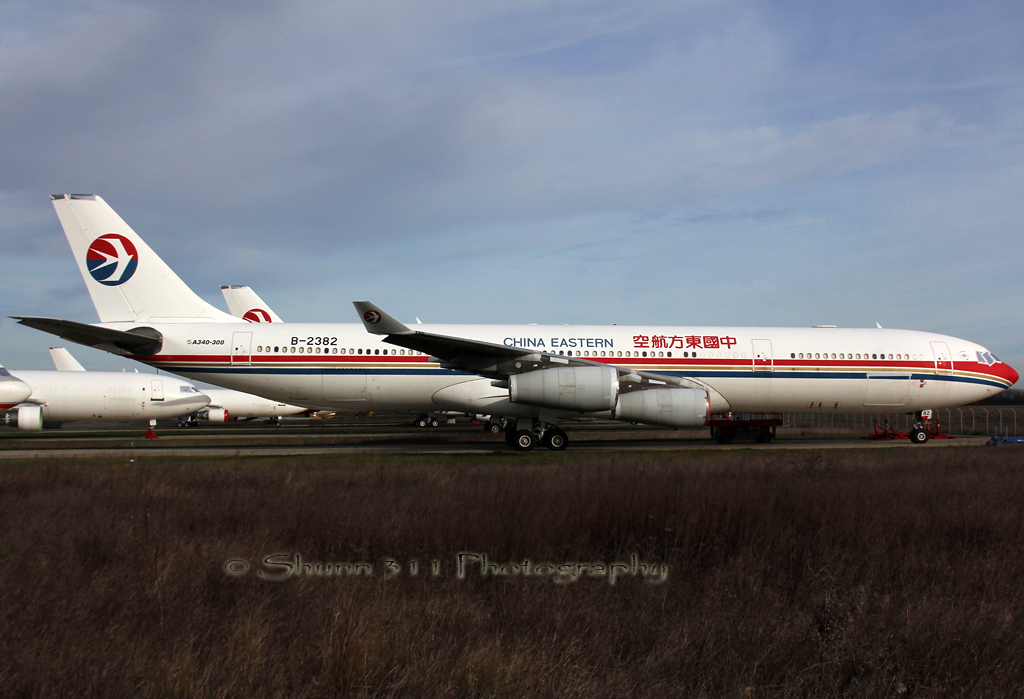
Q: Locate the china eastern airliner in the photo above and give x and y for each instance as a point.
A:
(526, 378)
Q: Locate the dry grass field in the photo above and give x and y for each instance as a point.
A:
(862, 573)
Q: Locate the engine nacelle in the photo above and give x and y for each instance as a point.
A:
(213, 414)
(671, 407)
(27, 417)
(585, 389)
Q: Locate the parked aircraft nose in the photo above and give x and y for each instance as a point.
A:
(1008, 372)
(13, 391)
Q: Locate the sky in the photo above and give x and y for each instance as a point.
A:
(662, 163)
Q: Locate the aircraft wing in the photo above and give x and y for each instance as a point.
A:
(143, 342)
(493, 360)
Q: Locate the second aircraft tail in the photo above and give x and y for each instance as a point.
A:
(128, 282)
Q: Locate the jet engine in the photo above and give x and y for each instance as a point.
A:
(213, 414)
(671, 407)
(585, 389)
(27, 417)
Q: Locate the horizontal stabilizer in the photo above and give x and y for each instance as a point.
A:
(142, 341)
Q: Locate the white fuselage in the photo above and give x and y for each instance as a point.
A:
(342, 367)
(66, 396)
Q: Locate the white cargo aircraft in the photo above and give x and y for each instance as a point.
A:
(528, 377)
(224, 404)
(95, 396)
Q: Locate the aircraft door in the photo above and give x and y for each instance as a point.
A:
(158, 390)
(943, 359)
(241, 346)
(762, 355)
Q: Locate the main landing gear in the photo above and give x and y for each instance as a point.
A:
(427, 421)
(521, 438)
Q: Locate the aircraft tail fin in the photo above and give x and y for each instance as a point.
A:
(244, 303)
(63, 361)
(127, 281)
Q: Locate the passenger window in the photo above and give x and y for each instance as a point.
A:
(669, 354)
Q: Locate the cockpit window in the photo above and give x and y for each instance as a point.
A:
(189, 389)
(987, 358)
(4, 372)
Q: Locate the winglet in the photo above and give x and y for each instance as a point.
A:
(377, 322)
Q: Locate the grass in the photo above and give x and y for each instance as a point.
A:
(867, 573)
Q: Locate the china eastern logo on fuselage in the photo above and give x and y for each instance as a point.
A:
(112, 259)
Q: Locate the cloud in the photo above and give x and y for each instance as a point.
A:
(636, 153)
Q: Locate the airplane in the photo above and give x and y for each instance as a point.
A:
(54, 397)
(244, 303)
(224, 404)
(525, 378)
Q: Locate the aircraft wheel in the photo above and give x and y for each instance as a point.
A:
(524, 440)
(434, 422)
(556, 440)
(421, 422)
(918, 435)
(492, 427)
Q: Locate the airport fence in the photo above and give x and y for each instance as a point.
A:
(968, 420)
